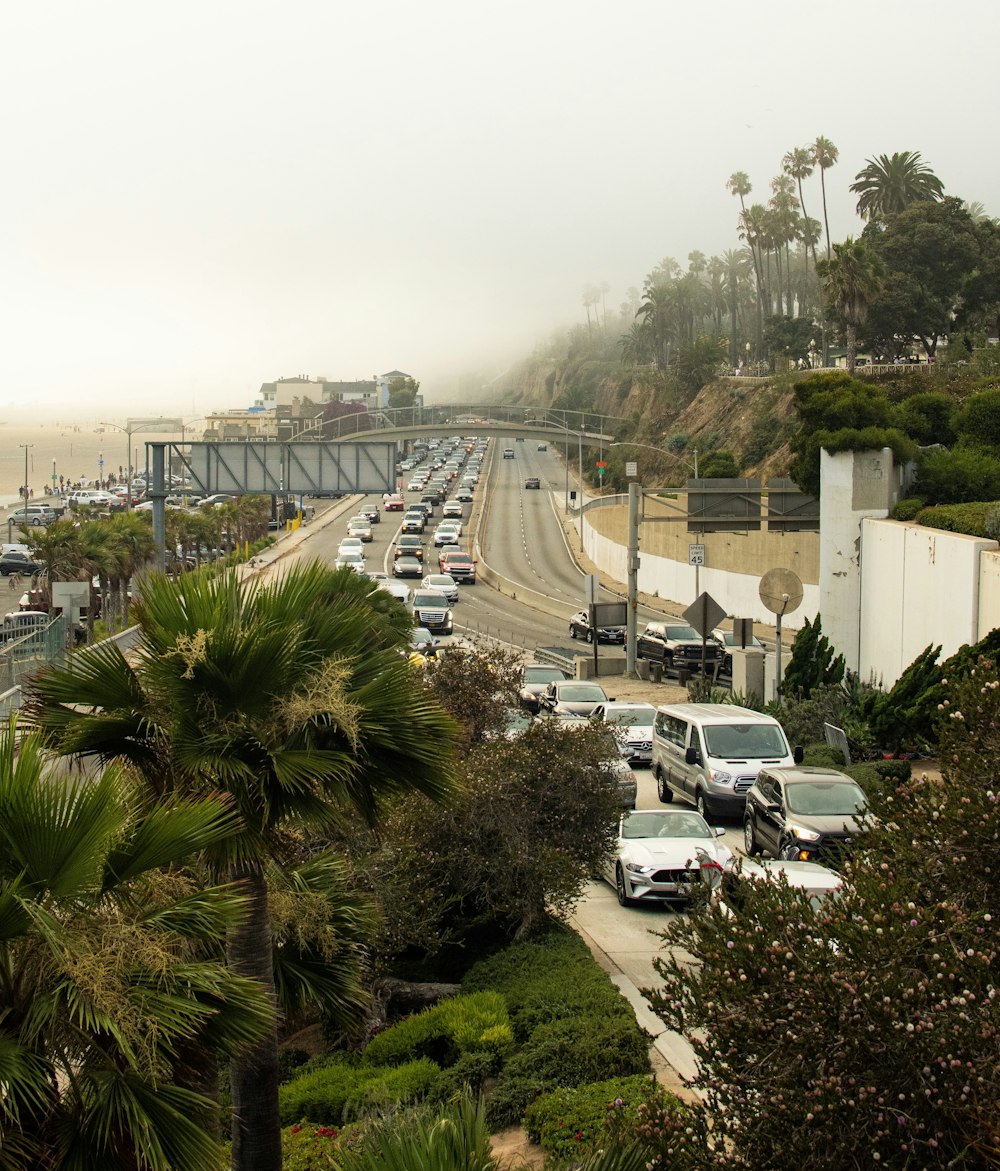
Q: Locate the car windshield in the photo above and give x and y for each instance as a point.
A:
(745, 741)
(579, 693)
(629, 717)
(665, 825)
(825, 799)
(542, 674)
(420, 636)
(430, 600)
(687, 633)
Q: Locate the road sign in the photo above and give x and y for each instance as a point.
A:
(601, 463)
(631, 468)
(696, 554)
(600, 472)
(590, 588)
(704, 614)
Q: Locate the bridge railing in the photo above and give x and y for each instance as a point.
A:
(463, 417)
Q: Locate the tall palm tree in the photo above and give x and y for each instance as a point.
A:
(825, 156)
(799, 164)
(851, 281)
(291, 697)
(888, 184)
(109, 969)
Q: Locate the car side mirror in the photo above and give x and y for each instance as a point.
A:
(774, 806)
(691, 756)
(720, 831)
(798, 754)
(611, 699)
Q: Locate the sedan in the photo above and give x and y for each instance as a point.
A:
(444, 583)
(533, 482)
(15, 562)
(464, 496)
(407, 566)
(666, 856)
(727, 640)
(352, 545)
(579, 627)
(360, 526)
(570, 695)
(350, 560)
(535, 677)
(372, 512)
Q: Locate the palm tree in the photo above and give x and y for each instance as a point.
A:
(851, 281)
(291, 697)
(799, 164)
(890, 183)
(825, 155)
(109, 969)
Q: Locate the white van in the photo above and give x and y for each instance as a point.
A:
(711, 753)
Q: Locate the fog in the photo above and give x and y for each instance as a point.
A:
(211, 195)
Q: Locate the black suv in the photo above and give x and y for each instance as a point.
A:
(802, 813)
(676, 645)
(15, 562)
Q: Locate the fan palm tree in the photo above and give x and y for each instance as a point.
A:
(292, 698)
(850, 282)
(888, 184)
(104, 979)
(825, 156)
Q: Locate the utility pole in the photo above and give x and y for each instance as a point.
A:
(632, 598)
(579, 501)
(27, 447)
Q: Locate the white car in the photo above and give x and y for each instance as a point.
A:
(360, 526)
(666, 856)
(632, 724)
(443, 582)
(352, 545)
(452, 508)
(446, 534)
(349, 559)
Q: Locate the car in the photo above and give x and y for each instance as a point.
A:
(416, 484)
(452, 508)
(727, 640)
(818, 882)
(34, 515)
(372, 512)
(676, 645)
(431, 609)
(542, 447)
(447, 533)
(424, 507)
(15, 562)
(444, 583)
(802, 813)
(351, 545)
(577, 697)
(508, 453)
(394, 504)
(407, 566)
(464, 496)
(360, 526)
(348, 559)
(409, 544)
(664, 856)
(461, 566)
(534, 678)
(414, 522)
(533, 482)
(432, 499)
(422, 642)
(632, 724)
(579, 627)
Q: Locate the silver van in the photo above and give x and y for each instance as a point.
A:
(711, 753)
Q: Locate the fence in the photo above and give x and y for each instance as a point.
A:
(32, 652)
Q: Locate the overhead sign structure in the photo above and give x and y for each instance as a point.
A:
(303, 467)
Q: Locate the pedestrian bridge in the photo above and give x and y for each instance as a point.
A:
(539, 423)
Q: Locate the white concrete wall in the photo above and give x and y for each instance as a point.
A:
(737, 593)
(989, 592)
(919, 587)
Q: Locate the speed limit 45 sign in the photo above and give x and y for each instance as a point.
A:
(696, 554)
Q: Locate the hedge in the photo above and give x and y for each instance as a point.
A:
(474, 1022)
(338, 1092)
(978, 519)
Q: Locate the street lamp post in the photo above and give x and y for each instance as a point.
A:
(27, 447)
(132, 426)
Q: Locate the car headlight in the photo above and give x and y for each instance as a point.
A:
(638, 868)
(803, 834)
(721, 778)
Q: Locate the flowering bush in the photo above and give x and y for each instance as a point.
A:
(864, 1032)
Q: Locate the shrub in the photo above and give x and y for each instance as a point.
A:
(568, 1053)
(804, 719)
(978, 519)
(568, 1123)
(907, 508)
(823, 756)
(928, 417)
(308, 1148)
(955, 477)
(813, 663)
(476, 1021)
(979, 422)
(336, 1092)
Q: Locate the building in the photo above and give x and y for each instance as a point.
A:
(256, 422)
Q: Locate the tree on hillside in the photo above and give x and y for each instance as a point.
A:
(850, 282)
(888, 184)
(799, 164)
(825, 156)
(403, 392)
(293, 699)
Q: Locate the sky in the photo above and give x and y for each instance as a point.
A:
(203, 196)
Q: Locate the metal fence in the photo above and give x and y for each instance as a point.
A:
(28, 654)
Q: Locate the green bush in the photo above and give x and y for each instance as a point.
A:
(569, 1123)
(928, 417)
(476, 1021)
(308, 1148)
(959, 476)
(908, 508)
(823, 755)
(568, 1053)
(975, 519)
(338, 1092)
(548, 979)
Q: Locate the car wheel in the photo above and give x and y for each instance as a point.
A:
(36, 520)
(663, 790)
(750, 843)
(789, 851)
(572, 632)
(590, 636)
(620, 890)
(701, 804)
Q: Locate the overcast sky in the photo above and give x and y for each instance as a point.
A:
(202, 196)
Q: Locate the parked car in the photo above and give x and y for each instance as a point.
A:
(632, 724)
(802, 813)
(15, 562)
(534, 679)
(727, 640)
(34, 515)
(676, 645)
(431, 609)
(570, 695)
(663, 856)
(711, 753)
(407, 566)
(444, 583)
(533, 482)
(579, 627)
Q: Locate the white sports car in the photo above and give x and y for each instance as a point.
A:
(664, 855)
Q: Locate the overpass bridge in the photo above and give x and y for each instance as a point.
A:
(408, 423)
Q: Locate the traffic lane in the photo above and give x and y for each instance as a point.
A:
(647, 798)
